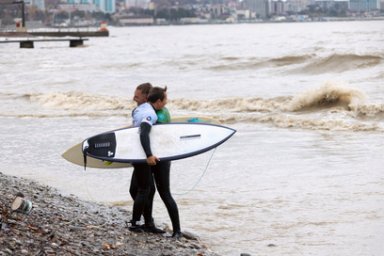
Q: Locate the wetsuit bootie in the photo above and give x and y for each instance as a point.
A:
(177, 235)
(133, 227)
(151, 228)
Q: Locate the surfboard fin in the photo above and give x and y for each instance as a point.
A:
(85, 157)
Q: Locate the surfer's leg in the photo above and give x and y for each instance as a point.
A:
(143, 178)
(161, 174)
(133, 187)
(149, 204)
(149, 225)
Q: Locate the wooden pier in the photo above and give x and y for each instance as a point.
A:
(56, 33)
(31, 36)
(27, 38)
(29, 42)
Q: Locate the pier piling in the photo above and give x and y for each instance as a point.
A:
(26, 44)
(76, 42)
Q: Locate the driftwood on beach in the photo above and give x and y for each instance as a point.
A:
(65, 225)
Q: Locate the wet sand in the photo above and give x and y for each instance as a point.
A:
(66, 225)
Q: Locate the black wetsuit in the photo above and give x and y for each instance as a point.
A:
(142, 186)
(161, 174)
(143, 117)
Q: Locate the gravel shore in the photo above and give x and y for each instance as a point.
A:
(66, 225)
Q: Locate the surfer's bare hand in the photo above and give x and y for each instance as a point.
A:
(151, 160)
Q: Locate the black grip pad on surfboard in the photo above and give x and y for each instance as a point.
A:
(103, 145)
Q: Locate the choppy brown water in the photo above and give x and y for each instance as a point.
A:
(302, 176)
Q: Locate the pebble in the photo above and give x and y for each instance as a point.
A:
(66, 225)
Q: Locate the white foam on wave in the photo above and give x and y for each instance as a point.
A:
(80, 101)
(329, 95)
(332, 106)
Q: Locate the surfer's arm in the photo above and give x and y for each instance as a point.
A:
(145, 128)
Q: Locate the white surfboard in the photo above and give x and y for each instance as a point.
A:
(75, 153)
(169, 142)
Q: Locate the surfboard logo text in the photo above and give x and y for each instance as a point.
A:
(102, 145)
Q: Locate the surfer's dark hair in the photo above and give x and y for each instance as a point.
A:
(157, 93)
(144, 88)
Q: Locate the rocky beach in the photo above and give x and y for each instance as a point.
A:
(66, 225)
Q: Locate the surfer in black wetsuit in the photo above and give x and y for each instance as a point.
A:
(140, 97)
(142, 182)
(161, 174)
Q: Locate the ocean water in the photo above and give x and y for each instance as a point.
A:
(302, 175)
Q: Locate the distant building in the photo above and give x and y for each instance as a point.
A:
(296, 6)
(106, 6)
(39, 4)
(243, 14)
(80, 7)
(79, 2)
(341, 5)
(364, 5)
(109, 6)
(131, 21)
(278, 7)
(136, 3)
(217, 10)
(258, 7)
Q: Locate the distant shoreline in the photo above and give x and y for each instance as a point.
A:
(85, 31)
(322, 19)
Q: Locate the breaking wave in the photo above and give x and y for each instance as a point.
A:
(337, 63)
(330, 107)
(235, 63)
(329, 95)
(306, 63)
(79, 101)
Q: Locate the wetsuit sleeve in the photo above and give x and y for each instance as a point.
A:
(145, 128)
